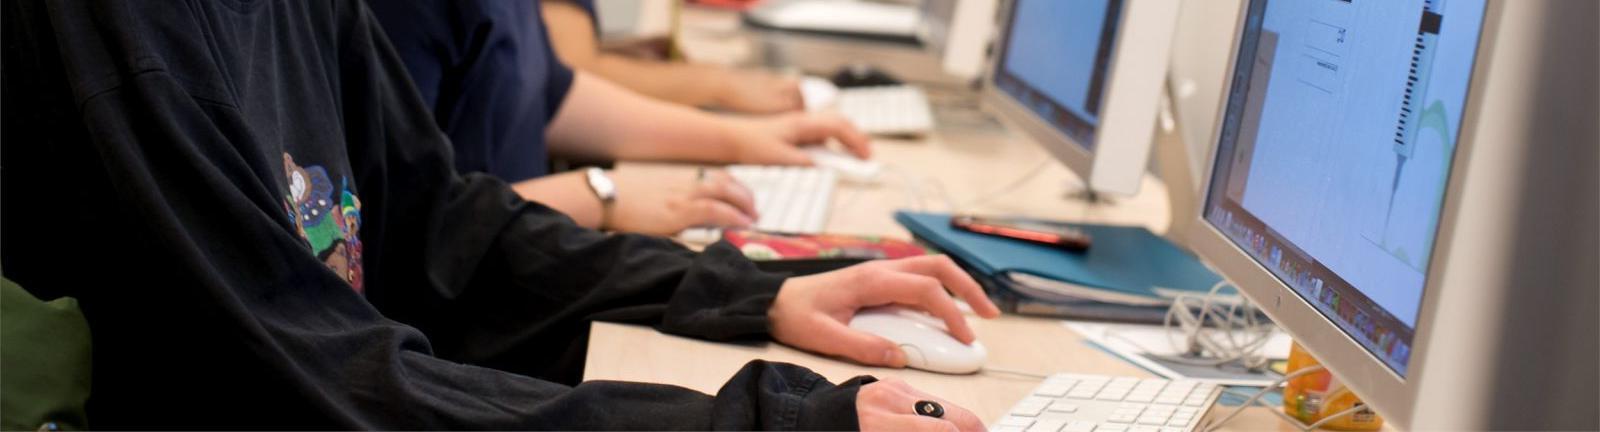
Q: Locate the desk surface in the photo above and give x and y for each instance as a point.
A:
(984, 170)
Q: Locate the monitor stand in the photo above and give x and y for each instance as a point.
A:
(1090, 198)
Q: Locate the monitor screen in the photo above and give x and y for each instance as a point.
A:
(1055, 58)
(1335, 150)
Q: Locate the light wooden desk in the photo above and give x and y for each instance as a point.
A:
(964, 169)
(969, 165)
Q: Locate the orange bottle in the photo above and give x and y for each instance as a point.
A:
(1313, 396)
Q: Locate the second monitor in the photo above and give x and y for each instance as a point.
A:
(1084, 79)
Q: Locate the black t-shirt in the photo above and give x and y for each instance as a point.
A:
(265, 230)
(487, 70)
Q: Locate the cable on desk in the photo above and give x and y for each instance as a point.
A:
(1230, 319)
(988, 369)
(996, 193)
(1294, 421)
(1255, 400)
(1264, 390)
(916, 188)
(912, 185)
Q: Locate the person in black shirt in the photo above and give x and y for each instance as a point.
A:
(264, 230)
(496, 87)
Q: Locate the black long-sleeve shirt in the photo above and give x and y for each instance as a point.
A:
(264, 229)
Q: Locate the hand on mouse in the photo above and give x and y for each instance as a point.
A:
(887, 405)
(813, 312)
(774, 140)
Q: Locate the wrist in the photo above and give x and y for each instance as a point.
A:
(605, 191)
(736, 132)
(722, 90)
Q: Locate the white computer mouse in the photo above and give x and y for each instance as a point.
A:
(924, 338)
(817, 94)
(847, 165)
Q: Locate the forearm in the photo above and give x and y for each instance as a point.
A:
(568, 193)
(680, 83)
(600, 118)
(572, 33)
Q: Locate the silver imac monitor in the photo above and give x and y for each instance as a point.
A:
(1373, 169)
(1084, 79)
(958, 32)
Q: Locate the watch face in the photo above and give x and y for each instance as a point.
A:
(602, 185)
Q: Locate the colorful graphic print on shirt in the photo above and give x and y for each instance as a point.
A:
(330, 227)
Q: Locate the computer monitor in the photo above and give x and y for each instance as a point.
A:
(1084, 78)
(1341, 198)
(958, 32)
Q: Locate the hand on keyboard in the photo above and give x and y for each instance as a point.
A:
(648, 205)
(774, 140)
(887, 405)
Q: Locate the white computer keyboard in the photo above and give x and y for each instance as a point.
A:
(789, 199)
(886, 110)
(1099, 403)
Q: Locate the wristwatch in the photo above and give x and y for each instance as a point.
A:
(605, 190)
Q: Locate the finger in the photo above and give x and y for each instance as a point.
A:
(921, 291)
(718, 213)
(962, 418)
(900, 398)
(855, 141)
(862, 347)
(953, 278)
(821, 126)
(913, 422)
(721, 186)
(785, 154)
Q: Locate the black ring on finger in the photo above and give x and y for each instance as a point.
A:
(929, 409)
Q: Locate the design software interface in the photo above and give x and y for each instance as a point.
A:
(1057, 58)
(1336, 149)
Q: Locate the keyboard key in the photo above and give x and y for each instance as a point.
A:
(1108, 427)
(1140, 397)
(1063, 407)
(1143, 429)
(1064, 382)
(1079, 426)
(1047, 425)
(1030, 406)
(1052, 390)
(1152, 420)
(1123, 418)
(1014, 421)
(1110, 394)
(1005, 429)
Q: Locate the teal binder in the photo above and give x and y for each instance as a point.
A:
(1125, 259)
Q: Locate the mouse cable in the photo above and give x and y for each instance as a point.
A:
(1004, 371)
(999, 192)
